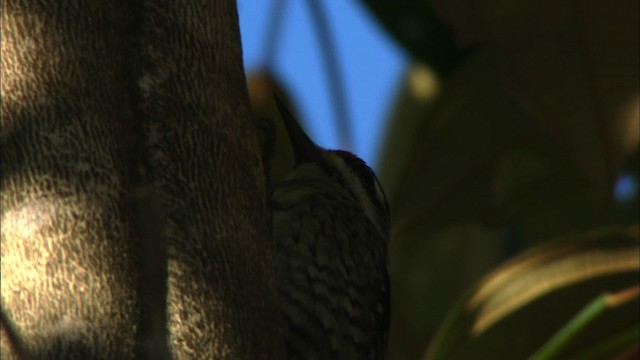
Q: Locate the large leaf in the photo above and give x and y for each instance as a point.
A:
(572, 65)
(436, 170)
(452, 148)
(471, 179)
(519, 307)
(429, 276)
(474, 155)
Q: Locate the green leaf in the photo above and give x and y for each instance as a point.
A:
(519, 307)
(586, 317)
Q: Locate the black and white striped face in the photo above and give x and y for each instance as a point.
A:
(358, 178)
(341, 166)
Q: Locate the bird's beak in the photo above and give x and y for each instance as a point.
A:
(304, 150)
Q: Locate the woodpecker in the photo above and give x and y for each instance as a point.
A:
(331, 229)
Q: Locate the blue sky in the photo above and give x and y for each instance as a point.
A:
(371, 64)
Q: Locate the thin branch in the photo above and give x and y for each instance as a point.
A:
(336, 84)
(273, 33)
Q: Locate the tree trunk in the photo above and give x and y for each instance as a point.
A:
(134, 215)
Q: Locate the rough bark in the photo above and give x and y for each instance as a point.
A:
(69, 254)
(131, 183)
(208, 170)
